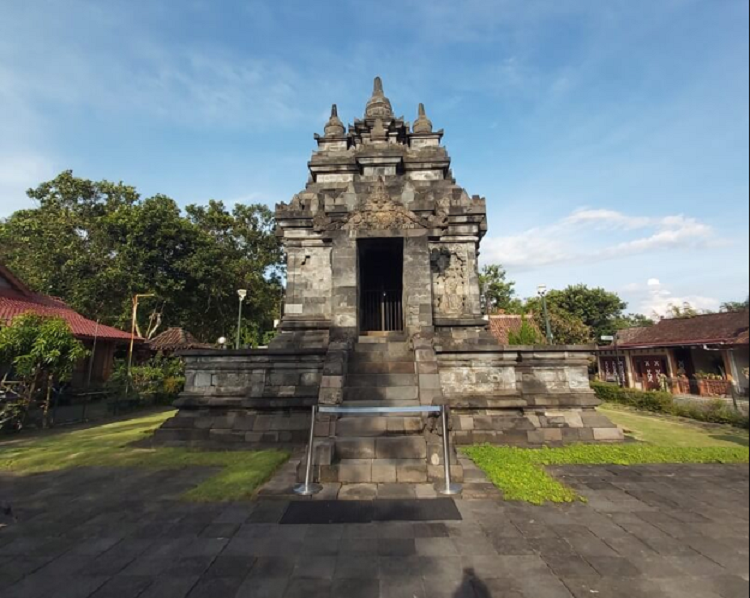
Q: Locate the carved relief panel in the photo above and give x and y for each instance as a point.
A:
(450, 280)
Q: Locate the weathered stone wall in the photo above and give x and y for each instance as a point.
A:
(246, 397)
(522, 396)
(309, 282)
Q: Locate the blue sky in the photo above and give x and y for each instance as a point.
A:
(610, 137)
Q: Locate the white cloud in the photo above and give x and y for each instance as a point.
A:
(658, 299)
(607, 219)
(562, 242)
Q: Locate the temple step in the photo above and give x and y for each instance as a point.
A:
(369, 427)
(382, 367)
(380, 380)
(394, 393)
(382, 447)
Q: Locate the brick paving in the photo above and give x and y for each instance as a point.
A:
(647, 532)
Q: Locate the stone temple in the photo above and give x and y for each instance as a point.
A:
(383, 309)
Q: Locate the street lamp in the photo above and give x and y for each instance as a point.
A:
(242, 294)
(542, 290)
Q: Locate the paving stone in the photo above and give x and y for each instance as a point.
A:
(355, 588)
(322, 567)
(357, 567)
(263, 587)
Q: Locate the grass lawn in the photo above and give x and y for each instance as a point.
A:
(241, 472)
(521, 474)
(671, 431)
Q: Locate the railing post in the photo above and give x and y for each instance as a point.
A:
(308, 488)
(450, 489)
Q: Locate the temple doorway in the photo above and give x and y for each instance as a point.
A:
(381, 284)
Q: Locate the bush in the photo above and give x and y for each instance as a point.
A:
(158, 381)
(528, 334)
(713, 412)
(655, 402)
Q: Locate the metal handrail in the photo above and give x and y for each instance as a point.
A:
(311, 489)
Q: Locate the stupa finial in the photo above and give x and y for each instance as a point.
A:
(335, 128)
(423, 124)
(379, 106)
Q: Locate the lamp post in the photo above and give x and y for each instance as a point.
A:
(542, 290)
(242, 293)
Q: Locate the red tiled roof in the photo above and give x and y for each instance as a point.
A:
(713, 329)
(502, 325)
(19, 300)
(176, 339)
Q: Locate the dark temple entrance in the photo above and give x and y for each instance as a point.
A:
(381, 283)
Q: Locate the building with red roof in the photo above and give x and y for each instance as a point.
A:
(16, 299)
(702, 355)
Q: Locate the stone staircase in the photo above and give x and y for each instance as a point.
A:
(387, 449)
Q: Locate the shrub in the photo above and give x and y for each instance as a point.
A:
(528, 334)
(158, 381)
(43, 353)
(714, 412)
(656, 402)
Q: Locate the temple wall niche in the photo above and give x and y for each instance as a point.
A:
(310, 282)
(453, 267)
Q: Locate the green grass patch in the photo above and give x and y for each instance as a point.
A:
(521, 473)
(240, 473)
(670, 431)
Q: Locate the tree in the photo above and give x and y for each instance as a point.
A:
(735, 306)
(527, 335)
(42, 353)
(686, 310)
(633, 321)
(567, 328)
(97, 244)
(498, 293)
(579, 307)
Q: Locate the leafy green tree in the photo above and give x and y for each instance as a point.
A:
(567, 328)
(598, 309)
(734, 306)
(97, 244)
(633, 321)
(498, 293)
(527, 335)
(42, 353)
(686, 310)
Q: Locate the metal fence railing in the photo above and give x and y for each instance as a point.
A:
(310, 489)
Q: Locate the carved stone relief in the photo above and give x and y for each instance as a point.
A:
(450, 280)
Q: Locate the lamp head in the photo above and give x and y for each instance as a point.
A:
(222, 341)
(242, 293)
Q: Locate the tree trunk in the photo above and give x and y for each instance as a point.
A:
(47, 402)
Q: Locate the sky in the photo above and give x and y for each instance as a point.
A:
(610, 138)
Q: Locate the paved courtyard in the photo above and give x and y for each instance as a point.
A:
(647, 532)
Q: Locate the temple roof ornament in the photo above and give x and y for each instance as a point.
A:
(379, 132)
(423, 124)
(335, 128)
(379, 106)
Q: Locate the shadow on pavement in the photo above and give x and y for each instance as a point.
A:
(472, 587)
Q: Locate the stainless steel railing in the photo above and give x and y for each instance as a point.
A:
(309, 488)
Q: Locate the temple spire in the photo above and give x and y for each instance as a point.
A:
(335, 128)
(423, 124)
(379, 106)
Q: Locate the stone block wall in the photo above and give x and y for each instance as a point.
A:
(236, 398)
(522, 396)
(310, 282)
